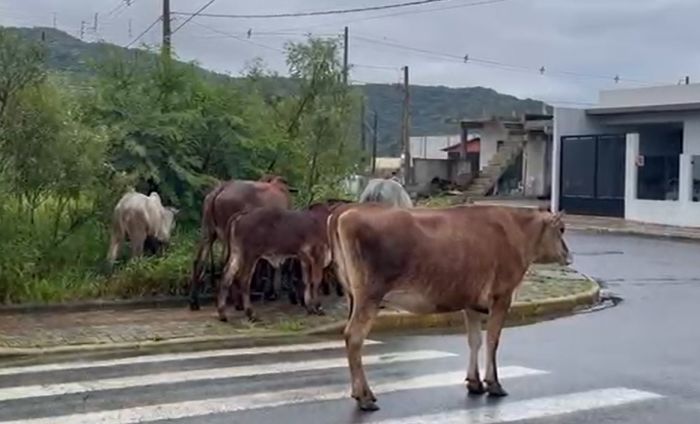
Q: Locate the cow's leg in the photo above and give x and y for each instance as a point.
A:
(276, 282)
(198, 269)
(227, 279)
(497, 318)
(115, 241)
(364, 310)
(137, 240)
(312, 276)
(472, 320)
(246, 277)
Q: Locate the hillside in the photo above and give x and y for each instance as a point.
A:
(434, 109)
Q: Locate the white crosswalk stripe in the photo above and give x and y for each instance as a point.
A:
(46, 387)
(261, 400)
(534, 408)
(208, 374)
(151, 359)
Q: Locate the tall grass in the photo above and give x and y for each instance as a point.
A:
(39, 263)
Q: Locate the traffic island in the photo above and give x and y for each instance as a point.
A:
(548, 291)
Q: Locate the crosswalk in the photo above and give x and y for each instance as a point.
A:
(234, 384)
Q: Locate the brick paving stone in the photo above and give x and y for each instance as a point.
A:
(111, 326)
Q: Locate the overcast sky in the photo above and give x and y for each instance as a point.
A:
(648, 41)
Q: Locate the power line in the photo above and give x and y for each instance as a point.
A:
(399, 13)
(235, 37)
(145, 31)
(468, 59)
(317, 12)
(192, 16)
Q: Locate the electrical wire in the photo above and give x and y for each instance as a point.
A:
(192, 16)
(468, 59)
(144, 32)
(318, 12)
(235, 37)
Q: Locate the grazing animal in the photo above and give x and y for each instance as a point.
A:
(387, 191)
(464, 258)
(220, 204)
(276, 234)
(143, 220)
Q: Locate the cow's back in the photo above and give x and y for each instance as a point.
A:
(451, 256)
(235, 197)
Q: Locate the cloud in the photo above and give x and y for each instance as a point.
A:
(644, 40)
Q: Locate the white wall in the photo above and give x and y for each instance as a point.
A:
(650, 96)
(490, 135)
(430, 147)
(534, 166)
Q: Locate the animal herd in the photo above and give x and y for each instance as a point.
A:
(382, 250)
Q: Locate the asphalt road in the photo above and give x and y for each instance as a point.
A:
(635, 363)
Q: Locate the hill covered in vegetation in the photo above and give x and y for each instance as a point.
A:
(434, 109)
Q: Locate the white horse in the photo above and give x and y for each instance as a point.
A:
(386, 191)
(140, 218)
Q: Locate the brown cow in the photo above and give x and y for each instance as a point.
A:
(468, 258)
(276, 234)
(224, 201)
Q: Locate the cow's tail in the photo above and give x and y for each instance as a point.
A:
(346, 254)
(206, 244)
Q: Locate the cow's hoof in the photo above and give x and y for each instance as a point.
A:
(475, 387)
(271, 297)
(223, 318)
(194, 306)
(367, 405)
(320, 312)
(239, 307)
(495, 390)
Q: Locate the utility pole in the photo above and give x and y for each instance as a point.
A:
(345, 56)
(130, 30)
(363, 133)
(54, 20)
(374, 144)
(94, 26)
(82, 29)
(167, 32)
(405, 131)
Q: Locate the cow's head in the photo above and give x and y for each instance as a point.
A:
(278, 181)
(551, 247)
(168, 225)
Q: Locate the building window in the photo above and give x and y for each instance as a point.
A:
(658, 163)
(695, 163)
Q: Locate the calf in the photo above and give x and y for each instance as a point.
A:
(144, 221)
(468, 258)
(276, 234)
(221, 203)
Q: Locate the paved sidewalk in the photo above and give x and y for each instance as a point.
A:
(604, 224)
(623, 226)
(105, 328)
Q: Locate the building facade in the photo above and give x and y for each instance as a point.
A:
(634, 155)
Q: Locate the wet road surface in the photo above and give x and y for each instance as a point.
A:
(638, 362)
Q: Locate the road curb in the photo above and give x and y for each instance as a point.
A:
(629, 232)
(520, 313)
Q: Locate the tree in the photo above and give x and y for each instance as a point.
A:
(320, 117)
(21, 65)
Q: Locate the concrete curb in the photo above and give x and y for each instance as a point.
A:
(631, 232)
(520, 313)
